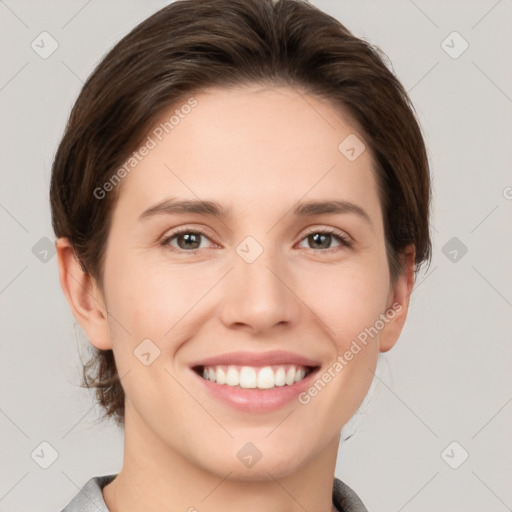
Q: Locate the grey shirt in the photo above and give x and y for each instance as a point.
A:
(90, 497)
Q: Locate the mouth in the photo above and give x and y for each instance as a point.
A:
(255, 382)
(254, 377)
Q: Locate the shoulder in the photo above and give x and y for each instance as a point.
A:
(90, 497)
(345, 499)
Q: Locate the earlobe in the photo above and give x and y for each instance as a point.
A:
(398, 304)
(83, 295)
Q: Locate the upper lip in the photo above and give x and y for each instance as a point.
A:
(275, 357)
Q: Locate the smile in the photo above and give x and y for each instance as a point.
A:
(250, 377)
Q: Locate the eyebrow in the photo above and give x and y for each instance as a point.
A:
(214, 209)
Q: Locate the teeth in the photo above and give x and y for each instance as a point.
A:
(232, 377)
(280, 377)
(249, 377)
(266, 378)
(299, 375)
(220, 376)
(290, 376)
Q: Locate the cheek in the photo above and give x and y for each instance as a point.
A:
(347, 298)
(154, 301)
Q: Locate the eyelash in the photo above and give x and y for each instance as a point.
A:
(344, 240)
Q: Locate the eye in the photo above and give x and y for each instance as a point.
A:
(321, 239)
(188, 240)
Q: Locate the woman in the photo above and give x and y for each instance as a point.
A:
(241, 202)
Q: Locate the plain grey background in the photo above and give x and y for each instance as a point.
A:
(443, 392)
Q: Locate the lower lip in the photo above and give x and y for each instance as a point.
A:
(254, 399)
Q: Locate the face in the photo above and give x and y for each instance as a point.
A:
(273, 292)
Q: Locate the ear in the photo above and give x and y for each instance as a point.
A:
(83, 295)
(398, 302)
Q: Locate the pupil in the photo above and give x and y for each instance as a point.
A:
(188, 237)
(319, 236)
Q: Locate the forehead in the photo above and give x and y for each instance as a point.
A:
(253, 147)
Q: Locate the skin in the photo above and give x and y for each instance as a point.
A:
(257, 150)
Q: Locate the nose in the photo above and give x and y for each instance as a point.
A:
(260, 295)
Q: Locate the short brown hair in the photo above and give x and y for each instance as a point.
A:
(191, 45)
